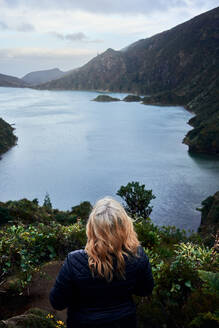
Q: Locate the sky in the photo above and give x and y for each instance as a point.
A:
(43, 34)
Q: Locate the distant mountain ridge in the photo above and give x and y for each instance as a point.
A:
(179, 66)
(11, 81)
(43, 76)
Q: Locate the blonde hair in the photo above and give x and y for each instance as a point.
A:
(110, 235)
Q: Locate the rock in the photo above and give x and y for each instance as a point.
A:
(33, 318)
(105, 98)
(132, 98)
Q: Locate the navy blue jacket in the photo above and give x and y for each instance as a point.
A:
(94, 300)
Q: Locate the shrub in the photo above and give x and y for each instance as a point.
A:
(5, 216)
(192, 255)
(82, 211)
(148, 234)
(24, 248)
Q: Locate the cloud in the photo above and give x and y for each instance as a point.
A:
(95, 41)
(17, 26)
(57, 35)
(24, 27)
(3, 26)
(16, 53)
(79, 36)
(111, 6)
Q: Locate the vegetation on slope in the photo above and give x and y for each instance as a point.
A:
(7, 137)
(209, 219)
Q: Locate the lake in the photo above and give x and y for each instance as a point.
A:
(77, 149)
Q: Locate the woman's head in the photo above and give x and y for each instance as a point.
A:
(110, 234)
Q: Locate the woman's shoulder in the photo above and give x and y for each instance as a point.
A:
(141, 252)
(141, 257)
(77, 255)
(78, 262)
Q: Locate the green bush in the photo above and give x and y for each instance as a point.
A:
(182, 287)
(148, 234)
(5, 216)
(82, 211)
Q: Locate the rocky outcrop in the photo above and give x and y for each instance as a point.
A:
(132, 98)
(33, 318)
(105, 98)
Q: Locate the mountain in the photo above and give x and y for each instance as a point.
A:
(44, 76)
(7, 138)
(179, 66)
(11, 81)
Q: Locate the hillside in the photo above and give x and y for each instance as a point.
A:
(43, 76)
(11, 81)
(7, 138)
(179, 66)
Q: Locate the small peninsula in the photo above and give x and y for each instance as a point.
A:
(7, 137)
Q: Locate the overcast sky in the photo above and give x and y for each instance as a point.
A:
(43, 34)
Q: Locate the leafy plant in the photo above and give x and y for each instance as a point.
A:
(192, 255)
(211, 280)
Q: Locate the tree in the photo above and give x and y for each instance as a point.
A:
(47, 202)
(82, 211)
(137, 199)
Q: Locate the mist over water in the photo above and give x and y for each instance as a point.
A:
(76, 149)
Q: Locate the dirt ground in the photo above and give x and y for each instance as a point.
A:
(43, 282)
(37, 295)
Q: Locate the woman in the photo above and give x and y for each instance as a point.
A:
(97, 284)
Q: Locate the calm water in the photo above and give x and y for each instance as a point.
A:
(77, 150)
